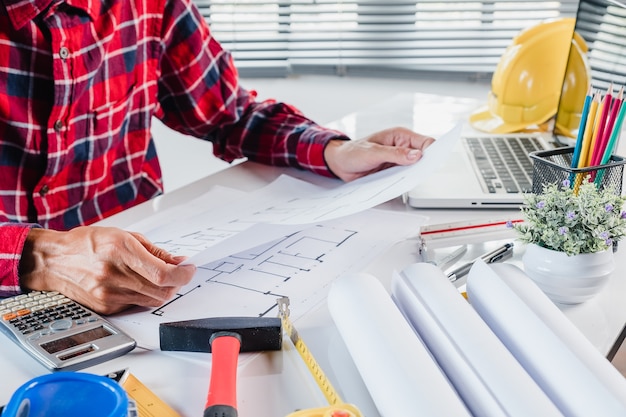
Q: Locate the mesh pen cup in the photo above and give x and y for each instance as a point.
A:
(554, 167)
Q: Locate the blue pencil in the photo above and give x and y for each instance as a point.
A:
(581, 132)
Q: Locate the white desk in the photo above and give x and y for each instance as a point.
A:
(276, 383)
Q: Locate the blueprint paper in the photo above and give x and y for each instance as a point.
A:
(335, 226)
(301, 266)
(195, 229)
(214, 197)
(365, 192)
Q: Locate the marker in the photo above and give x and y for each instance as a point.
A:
(495, 255)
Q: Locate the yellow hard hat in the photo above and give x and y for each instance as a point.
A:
(575, 88)
(526, 84)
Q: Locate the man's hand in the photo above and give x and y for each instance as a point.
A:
(353, 159)
(105, 269)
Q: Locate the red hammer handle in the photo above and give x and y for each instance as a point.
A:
(222, 397)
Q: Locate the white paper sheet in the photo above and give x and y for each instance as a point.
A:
(195, 229)
(300, 266)
(216, 196)
(397, 369)
(486, 375)
(571, 385)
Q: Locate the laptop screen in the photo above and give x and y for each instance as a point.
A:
(601, 30)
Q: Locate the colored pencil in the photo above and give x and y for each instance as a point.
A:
(581, 132)
(598, 130)
(589, 128)
(603, 137)
(586, 146)
(612, 143)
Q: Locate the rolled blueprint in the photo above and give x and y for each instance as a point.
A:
(483, 371)
(397, 369)
(571, 385)
(562, 327)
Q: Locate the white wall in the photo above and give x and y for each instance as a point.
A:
(322, 98)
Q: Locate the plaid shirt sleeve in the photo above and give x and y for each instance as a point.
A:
(203, 98)
(12, 237)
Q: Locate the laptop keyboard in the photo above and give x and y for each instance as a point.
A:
(503, 164)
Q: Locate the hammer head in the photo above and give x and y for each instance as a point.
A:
(256, 333)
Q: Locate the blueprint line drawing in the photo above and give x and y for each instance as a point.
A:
(286, 201)
(266, 269)
(301, 265)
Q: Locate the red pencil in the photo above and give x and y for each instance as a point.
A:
(596, 154)
(608, 130)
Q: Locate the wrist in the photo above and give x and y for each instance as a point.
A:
(31, 263)
(330, 151)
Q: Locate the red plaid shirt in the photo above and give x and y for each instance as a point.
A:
(80, 81)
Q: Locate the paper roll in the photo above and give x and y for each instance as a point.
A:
(483, 371)
(399, 372)
(573, 387)
(563, 328)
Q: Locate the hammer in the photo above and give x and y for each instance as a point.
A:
(224, 338)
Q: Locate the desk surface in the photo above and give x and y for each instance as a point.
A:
(277, 383)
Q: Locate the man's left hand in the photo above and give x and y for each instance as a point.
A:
(352, 159)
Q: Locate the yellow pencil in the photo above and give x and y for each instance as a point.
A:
(590, 128)
(597, 127)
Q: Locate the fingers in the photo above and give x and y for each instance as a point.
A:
(401, 137)
(350, 160)
(157, 251)
(138, 273)
(151, 271)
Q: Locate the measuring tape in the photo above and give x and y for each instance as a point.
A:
(336, 407)
(147, 402)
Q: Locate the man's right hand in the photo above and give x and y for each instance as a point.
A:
(105, 269)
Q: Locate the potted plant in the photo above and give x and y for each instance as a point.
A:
(570, 235)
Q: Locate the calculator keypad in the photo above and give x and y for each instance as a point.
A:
(42, 312)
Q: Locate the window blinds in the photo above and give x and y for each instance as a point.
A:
(351, 36)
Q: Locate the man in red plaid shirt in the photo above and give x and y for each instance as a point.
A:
(80, 81)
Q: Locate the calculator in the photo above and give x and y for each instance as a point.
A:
(60, 333)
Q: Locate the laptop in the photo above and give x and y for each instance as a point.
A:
(468, 180)
(482, 172)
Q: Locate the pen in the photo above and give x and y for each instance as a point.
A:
(495, 255)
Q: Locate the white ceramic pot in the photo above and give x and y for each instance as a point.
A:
(568, 279)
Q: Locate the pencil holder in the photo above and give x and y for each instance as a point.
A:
(554, 167)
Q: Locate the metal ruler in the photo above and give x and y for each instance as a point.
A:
(336, 407)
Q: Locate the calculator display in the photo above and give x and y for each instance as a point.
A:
(75, 340)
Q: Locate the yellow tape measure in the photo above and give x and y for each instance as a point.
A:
(336, 408)
(147, 402)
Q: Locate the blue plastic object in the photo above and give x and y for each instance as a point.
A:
(68, 395)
